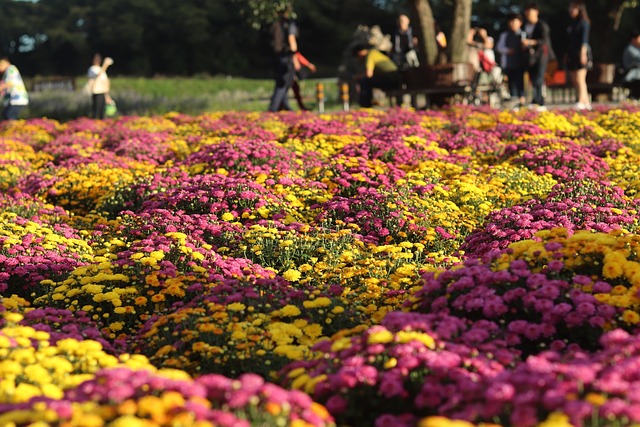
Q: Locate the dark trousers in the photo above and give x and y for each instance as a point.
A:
(98, 104)
(382, 81)
(634, 88)
(536, 75)
(516, 81)
(284, 78)
(12, 112)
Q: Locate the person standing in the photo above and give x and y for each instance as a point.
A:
(579, 51)
(631, 65)
(99, 85)
(284, 33)
(404, 54)
(538, 51)
(510, 47)
(14, 92)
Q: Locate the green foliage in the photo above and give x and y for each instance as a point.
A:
(190, 37)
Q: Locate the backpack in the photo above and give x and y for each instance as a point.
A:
(279, 40)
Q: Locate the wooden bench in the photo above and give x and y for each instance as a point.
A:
(436, 83)
(602, 82)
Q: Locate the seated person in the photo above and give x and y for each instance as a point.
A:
(488, 61)
(631, 65)
(380, 72)
(476, 39)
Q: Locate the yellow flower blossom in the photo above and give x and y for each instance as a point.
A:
(292, 275)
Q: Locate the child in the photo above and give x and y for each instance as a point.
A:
(510, 47)
(488, 60)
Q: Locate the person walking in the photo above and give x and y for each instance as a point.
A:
(510, 47)
(578, 56)
(99, 85)
(631, 65)
(13, 90)
(538, 51)
(284, 33)
(301, 65)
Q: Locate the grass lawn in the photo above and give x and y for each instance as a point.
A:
(195, 95)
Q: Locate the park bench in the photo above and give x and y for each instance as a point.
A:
(603, 83)
(436, 83)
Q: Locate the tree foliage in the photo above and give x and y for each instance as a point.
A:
(187, 37)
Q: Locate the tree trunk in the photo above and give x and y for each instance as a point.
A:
(460, 30)
(425, 29)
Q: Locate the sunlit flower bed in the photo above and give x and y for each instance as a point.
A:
(460, 267)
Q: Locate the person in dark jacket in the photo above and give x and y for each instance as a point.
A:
(404, 42)
(538, 51)
(284, 34)
(510, 47)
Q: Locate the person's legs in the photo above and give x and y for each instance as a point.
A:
(295, 86)
(581, 86)
(283, 81)
(99, 103)
(520, 85)
(573, 79)
(634, 89)
(366, 93)
(536, 75)
(11, 112)
(516, 84)
(384, 81)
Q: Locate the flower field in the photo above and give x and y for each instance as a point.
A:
(460, 267)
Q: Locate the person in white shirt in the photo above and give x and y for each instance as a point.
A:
(99, 85)
(12, 90)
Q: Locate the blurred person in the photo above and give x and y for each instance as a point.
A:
(380, 72)
(441, 42)
(538, 51)
(482, 54)
(301, 65)
(14, 92)
(631, 65)
(403, 53)
(510, 47)
(578, 56)
(488, 60)
(99, 85)
(284, 32)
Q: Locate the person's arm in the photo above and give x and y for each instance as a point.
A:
(584, 35)
(291, 38)
(370, 65)
(502, 47)
(106, 64)
(293, 43)
(538, 36)
(304, 62)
